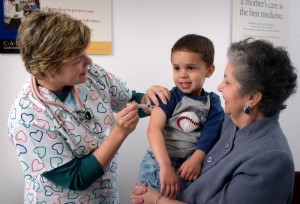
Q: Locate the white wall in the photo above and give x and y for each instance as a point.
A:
(143, 33)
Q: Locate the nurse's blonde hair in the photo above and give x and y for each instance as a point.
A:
(47, 39)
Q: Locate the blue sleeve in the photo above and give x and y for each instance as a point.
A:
(171, 104)
(211, 128)
(78, 174)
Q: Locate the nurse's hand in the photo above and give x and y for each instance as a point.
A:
(126, 120)
(155, 92)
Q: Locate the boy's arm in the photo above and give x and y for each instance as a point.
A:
(168, 179)
(155, 136)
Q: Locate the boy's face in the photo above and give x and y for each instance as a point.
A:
(190, 72)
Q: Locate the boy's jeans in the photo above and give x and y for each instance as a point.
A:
(149, 169)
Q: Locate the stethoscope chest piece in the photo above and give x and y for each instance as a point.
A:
(88, 115)
(84, 115)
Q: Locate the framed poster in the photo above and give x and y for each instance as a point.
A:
(10, 19)
(96, 14)
(264, 19)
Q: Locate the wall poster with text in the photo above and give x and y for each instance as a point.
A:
(260, 19)
(97, 14)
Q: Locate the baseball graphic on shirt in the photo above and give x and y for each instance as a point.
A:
(188, 121)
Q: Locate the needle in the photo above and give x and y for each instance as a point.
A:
(144, 106)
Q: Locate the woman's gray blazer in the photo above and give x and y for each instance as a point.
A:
(252, 165)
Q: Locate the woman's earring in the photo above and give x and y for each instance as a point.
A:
(247, 109)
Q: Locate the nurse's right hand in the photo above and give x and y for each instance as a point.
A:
(126, 120)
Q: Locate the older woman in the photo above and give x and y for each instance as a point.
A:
(62, 123)
(252, 161)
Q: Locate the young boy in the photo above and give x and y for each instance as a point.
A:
(182, 132)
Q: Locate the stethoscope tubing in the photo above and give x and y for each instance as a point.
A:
(79, 104)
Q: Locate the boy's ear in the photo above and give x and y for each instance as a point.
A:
(210, 70)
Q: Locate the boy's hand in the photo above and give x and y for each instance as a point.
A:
(169, 183)
(191, 168)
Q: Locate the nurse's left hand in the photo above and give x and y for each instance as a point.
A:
(155, 92)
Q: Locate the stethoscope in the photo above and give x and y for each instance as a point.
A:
(81, 114)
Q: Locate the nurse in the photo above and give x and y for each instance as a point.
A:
(63, 123)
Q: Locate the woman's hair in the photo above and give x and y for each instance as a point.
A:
(260, 66)
(47, 39)
(198, 44)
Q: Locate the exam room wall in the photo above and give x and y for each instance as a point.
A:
(143, 33)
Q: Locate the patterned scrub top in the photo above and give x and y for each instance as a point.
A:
(42, 144)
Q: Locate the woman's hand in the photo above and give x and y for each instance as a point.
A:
(143, 195)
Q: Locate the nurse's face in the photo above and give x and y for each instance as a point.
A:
(72, 72)
(230, 89)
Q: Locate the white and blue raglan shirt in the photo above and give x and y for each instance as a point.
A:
(208, 108)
